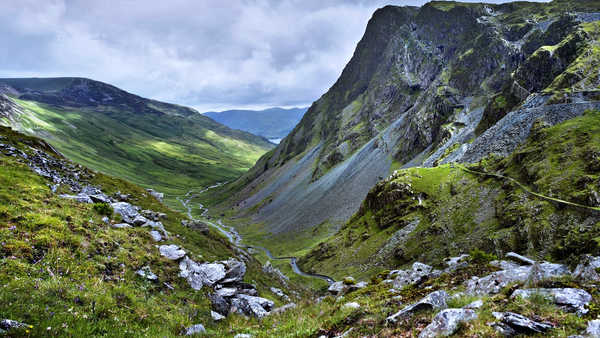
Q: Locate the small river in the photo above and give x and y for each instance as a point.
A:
(234, 237)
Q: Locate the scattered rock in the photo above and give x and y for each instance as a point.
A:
(496, 281)
(337, 287)
(219, 304)
(358, 286)
(418, 274)
(227, 292)
(196, 225)
(139, 220)
(456, 262)
(121, 225)
(254, 306)
(243, 335)
(505, 265)
(216, 316)
(195, 329)
(81, 198)
(474, 305)
(435, 300)
(520, 259)
(235, 271)
(9, 324)
(446, 322)
(147, 273)
(593, 328)
(586, 270)
(156, 236)
(352, 305)
(158, 195)
(198, 275)
(106, 220)
(127, 211)
(279, 293)
(574, 300)
(513, 323)
(172, 252)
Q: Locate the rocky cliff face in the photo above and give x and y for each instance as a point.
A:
(424, 87)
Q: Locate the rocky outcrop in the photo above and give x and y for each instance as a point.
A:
(435, 300)
(172, 252)
(512, 324)
(446, 322)
(574, 300)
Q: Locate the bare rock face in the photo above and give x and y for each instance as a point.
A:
(419, 273)
(127, 211)
(250, 305)
(199, 275)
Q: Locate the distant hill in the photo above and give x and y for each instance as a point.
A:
(272, 123)
(165, 146)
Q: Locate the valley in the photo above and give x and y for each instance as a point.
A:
(447, 184)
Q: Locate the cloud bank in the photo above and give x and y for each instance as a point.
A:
(209, 54)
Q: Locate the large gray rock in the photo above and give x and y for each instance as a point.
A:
(457, 262)
(235, 271)
(446, 322)
(252, 306)
(586, 270)
(219, 304)
(216, 316)
(416, 275)
(121, 226)
(139, 220)
(9, 324)
(227, 292)
(159, 227)
(81, 198)
(513, 323)
(520, 259)
(593, 329)
(156, 236)
(171, 251)
(435, 300)
(574, 300)
(337, 287)
(127, 211)
(195, 329)
(199, 275)
(496, 281)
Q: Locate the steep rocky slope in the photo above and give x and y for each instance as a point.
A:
(444, 82)
(164, 146)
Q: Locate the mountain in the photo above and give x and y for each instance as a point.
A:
(446, 82)
(272, 123)
(155, 144)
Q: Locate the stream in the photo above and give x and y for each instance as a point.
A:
(234, 237)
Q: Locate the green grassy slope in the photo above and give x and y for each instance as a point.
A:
(66, 273)
(166, 147)
(457, 211)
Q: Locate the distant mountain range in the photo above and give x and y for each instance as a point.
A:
(272, 123)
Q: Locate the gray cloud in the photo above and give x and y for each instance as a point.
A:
(208, 54)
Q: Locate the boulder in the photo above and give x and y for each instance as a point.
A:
(593, 328)
(504, 265)
(520, 259)
(139, 220)
(358, 286)
(586, 270)
(9, 324)
(158, 226)
(337, 287)
(106, 220)
(195, 329)
(226, 292)
(199, 275)
(512, 324)
(243, 335)
(147, 273)
(446, 322)
(454, 263)
(219, 304)
(252, 306)
(351, 305)
(574, 300)
(171, 251)
(235, 271)
(121, 225)
(416, 275)
(474, 305)
(158, 195)
(100, 198)
(127, 211)
(156, 236)
(435, 300)
(496, 281)
(216, 316)
(81, 198)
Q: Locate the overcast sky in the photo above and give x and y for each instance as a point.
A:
(211, 55)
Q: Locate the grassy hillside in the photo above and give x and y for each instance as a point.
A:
(448, 210)
(272, 123)
(66, 273)
(153, 144)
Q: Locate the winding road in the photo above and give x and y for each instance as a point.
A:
(234, 237)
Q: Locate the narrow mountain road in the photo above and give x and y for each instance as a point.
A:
(234, 237)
